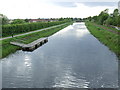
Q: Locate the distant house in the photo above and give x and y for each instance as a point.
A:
(42, 20)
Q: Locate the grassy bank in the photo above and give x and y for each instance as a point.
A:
(108, 38)
(7, 48)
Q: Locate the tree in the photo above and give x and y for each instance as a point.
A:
(18, 21)
(116, 17)
(118, 21)
(109, 21)
(94, 18)
(115, 13)
(89, 18)
(4, 19)
(27, 20)
(103, 17)
(61, 19)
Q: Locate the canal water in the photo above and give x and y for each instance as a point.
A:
(72, 58)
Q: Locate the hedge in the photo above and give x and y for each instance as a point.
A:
(8, 30)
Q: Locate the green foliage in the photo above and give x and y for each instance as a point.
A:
(89, 18)
(102, 17)
(7, 30)
(65, 19)
(4, 19)
(27, 20)
(61, 19)
(115, 13)
(108, 38)
(116, 17)
(107, 19)
(7, 48)
(18, 21)
(95, 18)
(118, 21)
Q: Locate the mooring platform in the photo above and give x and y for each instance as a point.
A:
(31, 46)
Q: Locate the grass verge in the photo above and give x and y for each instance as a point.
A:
(108, 38)
(7, 48)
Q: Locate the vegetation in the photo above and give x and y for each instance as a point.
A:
(9, 29)
(7, 48)
(65, 19)
(18, 21)
(3, 19)
(108, 38)
(104, 18)
(103, 27)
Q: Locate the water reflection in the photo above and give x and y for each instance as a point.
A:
(68, 79)
(79, 26)
(71, 58)
(80, 33)
(27, 61)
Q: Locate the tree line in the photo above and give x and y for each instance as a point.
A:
(104, 18)
(18, 26)
(4, 20)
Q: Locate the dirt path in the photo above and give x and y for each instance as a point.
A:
(113, 31)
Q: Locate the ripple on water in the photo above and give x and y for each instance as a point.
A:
(67, 80)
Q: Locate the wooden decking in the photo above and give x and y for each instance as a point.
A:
(31, 46)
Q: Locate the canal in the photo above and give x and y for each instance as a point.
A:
(72, 58)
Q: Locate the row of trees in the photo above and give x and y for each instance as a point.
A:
(4, 20)
(104, 18)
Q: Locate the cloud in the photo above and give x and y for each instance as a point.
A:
(65, 4)
(43, 9)
(81, 0)
(93, 4)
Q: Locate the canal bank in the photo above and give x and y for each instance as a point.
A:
(110, 38)
(73, 58)
(7, 48)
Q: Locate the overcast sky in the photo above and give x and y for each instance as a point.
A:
(22, 9)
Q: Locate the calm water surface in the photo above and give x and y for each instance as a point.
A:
(71, 58)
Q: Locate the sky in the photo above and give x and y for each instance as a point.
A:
(22, 9)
